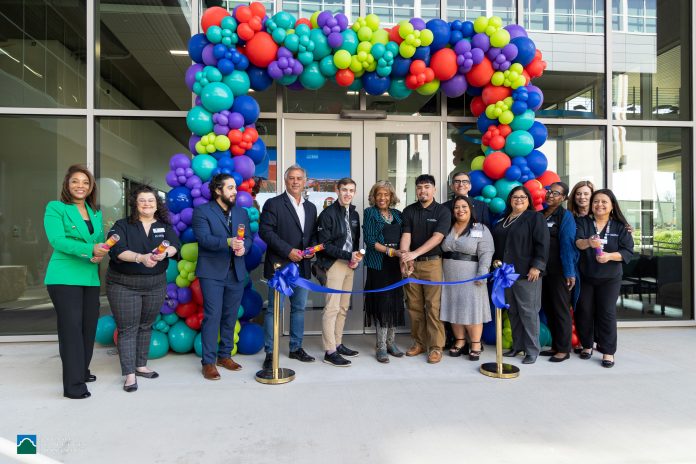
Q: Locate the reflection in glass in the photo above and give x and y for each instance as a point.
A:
(269, 4)
(651, 78)
(465, 9)
(304, 8)
(43, 54)
(414, 105)
(36, 153)
(266, 172)
(652, 183)
(329, 99)
(400, 159)
(143, 55)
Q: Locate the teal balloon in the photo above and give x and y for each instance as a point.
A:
(321, 45)
(216, 97)
(214, 34)
(312, 78)
(489, 191)
(503, 186)
(393, 47)
(105, 330)
(198, 345)
(228, 22)
(172, 271)
(350, 41)
(238, 82)
(240, 312)
(356, 85)
(159, 345)
(181, 337)
(287, 80)
(378, 50)
(519, 143)
(284, 20)
(170, 318)
(279, 36)
(398, 89)
(199, 121)
(544, 335)
(161, 326)
(292, 42)
(523, 121)
(496, 205)
(212, 73)
(203, 166)
(327, 66)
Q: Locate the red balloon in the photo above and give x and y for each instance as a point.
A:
(533, 185)
(116, 337)
(504, 130)
(492, 94)
(193, 322)
(196, 292)
(258, 9)
(244, 31)
(536, 67)
(212, 17)
(548, 177)
(394, 35)
(253, 133)
(186, 309)
(261, 49)
(255, 24)
(574, 340)
(243, 14)
(444, 64)
(303, 21)
(477, 106)
(497, 142)
(412, 82)
(344, 77)
(481, 73)
(495, 164)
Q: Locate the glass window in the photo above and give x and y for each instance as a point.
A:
(505, 9)
(651, 71)
(36, 153)
(393, 11)
(269, 4)
(331, 98)
(415, 105)
(42, 54)
(652, 183)
(536, 15)
(465, 9)
(143, 55)
(400, 159)
(266, 171)
(267, 99)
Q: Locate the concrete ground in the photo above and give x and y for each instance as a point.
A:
(641, 411)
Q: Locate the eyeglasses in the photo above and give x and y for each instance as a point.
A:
(461, 182)
(553, 193)
(520, 197)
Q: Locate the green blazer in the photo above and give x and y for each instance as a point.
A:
(72, 245)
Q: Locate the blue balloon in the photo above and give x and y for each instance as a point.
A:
(259, 78)
(401, 66)
(468, 29)
(422, 53)
(252, 302)
(196, 45)
(225, 66)
(257, 151)
(488, 334)
(226, 164)
(187, 236)
(483, 122)
(537, 162)
(219, 51)
(539, 133)
(513, 173)
(238, 179)
(534, 100)
(520, 161)
(441, 33)
(374, 84)
(253, 258)
(247, 107)
(250, 339)
(178, 199)
(220, 154)
(478, 181)
(474, 91)
(525, 50)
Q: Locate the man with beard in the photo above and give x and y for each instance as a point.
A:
(221, 271)
(425, 225)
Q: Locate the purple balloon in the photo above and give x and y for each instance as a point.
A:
(190, 76)
(534, 89)
(171, 179)
(454, 87)
(194, 182)
(220, 130)
(515, 31)
(197, 101)
(180, 226)
(235, 120)
(274, 70)
(166, 309)
(173, 218)
(193, 140)
(180, 161)
(323, 17)
(244, 166)
(477, 55)
(510, 51)
(481, 41)
(171, 290)
(418, 24)
(244, 199)
(208, 57)
(205, 190)
(199, 201)
(186, 216)
(183, 295)
(260, 243)
(296, 85)
(342, 21)
(335, 40)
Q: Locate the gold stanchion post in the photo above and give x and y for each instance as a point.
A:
(499, 369)
(275, 375)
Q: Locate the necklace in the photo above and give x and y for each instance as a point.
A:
(507, 223)
(387, 217)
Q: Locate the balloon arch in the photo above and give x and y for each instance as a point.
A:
(246, 49)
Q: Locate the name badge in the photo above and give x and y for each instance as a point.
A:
(550, 224)
(603, 241)
(431, 220)
(159, 230)
(476, 233)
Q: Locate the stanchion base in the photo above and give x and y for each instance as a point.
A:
(508, 370)
(282, 375)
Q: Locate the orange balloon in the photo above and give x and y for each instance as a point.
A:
(212, 17)
(481, 73)
(244, 31)
(303, 21)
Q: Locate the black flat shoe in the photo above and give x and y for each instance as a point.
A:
(555, 359)
(301, 355)
(547, 353)
(512, 353)
(78, 397)
(91, 378)
(577, 350)
(130, 388)
(147, 375)
(608, 363)
(586, 354)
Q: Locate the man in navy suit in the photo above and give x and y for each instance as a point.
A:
(221, 271)
(287, 226)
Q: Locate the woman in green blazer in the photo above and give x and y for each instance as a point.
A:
(74, 229)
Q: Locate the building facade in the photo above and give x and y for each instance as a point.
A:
(101, 82)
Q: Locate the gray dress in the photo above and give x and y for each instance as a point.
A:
(467, 303)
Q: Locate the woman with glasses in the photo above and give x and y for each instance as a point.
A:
(521, 238)
(136, 283)
(604, 242)
(559, 279)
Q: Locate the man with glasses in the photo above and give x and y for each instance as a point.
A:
(460, 186)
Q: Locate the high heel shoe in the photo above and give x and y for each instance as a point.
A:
(473, 354)
(457, 351)
(586, 354)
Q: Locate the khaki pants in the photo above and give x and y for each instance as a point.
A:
(424, 306)
(340, 277)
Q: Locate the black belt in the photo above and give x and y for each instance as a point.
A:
(427, 258)
(459, 256)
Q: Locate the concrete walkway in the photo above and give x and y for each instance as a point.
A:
(641, 411)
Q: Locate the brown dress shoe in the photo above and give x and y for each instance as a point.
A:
(229, 364)
(435, 357)
(210, 372)
(415, 350)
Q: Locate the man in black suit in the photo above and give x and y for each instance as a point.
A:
(461, 184)
(287, 226)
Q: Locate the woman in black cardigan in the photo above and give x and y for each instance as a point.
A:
(522, 239)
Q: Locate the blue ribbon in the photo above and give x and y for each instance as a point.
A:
(288, 277)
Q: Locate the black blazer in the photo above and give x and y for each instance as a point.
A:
(332, 232)
(481, 210)
(526, 243)
(280, 228)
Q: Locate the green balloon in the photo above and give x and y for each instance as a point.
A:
(488, 191)
(199, 121)
(327, 66)
(238, 82)
(477, 163)
(350, 41)
(429, 88)
(189, 251)
(398, 89)
(159, 345)
(342, 59)
(203, 166)
(321, 44)
(311, 78)
(181, 337)
(499, 39)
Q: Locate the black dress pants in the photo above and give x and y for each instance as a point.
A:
(77, 310)
(595, 317)
(555, 299)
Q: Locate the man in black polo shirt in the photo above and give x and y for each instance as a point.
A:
(425, 225)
